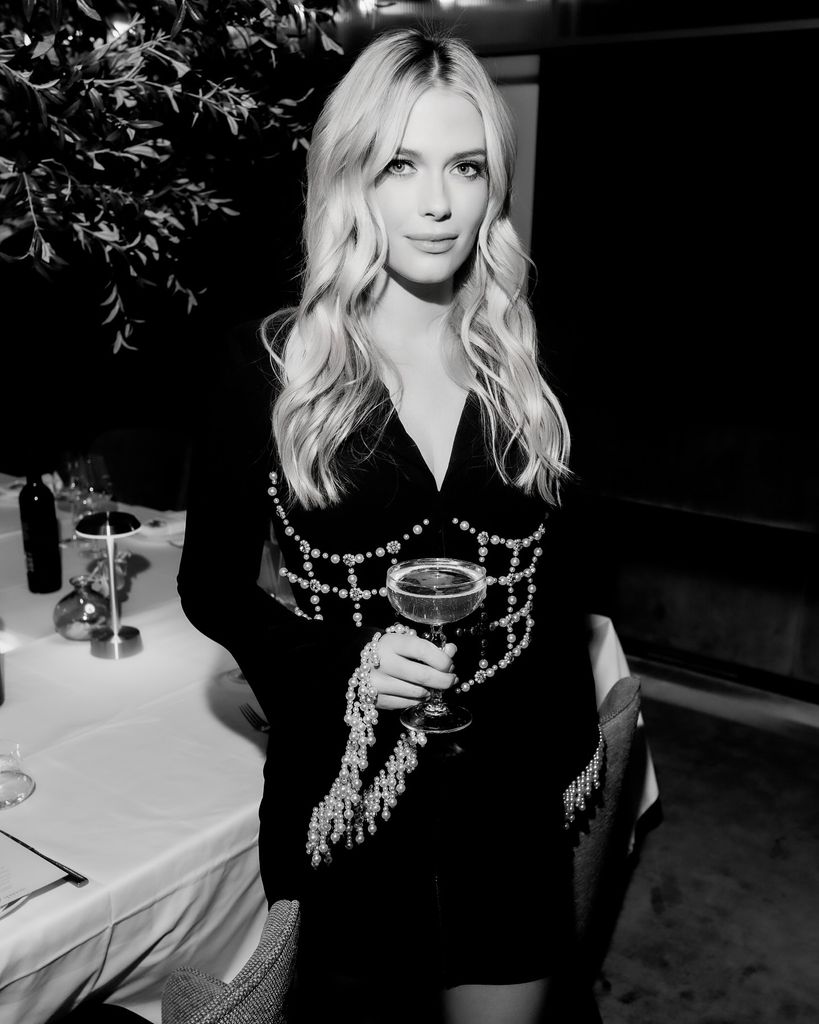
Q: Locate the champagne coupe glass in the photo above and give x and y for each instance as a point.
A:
(435, 591)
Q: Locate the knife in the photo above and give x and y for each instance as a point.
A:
(71, 875)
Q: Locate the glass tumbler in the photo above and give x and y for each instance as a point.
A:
(15, 782)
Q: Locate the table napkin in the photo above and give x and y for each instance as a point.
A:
(10, 492)
(158, 527)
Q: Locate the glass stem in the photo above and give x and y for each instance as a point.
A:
(436, 636)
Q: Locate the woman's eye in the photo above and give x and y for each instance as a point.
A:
(468, 169)
(399, 167)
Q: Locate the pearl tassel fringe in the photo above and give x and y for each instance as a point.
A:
(578, 793)
(346, 812)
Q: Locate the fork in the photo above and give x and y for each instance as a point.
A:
(254, 718)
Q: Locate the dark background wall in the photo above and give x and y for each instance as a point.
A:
(65, 384)
(673, 235)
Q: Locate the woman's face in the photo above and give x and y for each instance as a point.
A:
(432, 196)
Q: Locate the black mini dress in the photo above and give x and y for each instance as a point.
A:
(471, 876)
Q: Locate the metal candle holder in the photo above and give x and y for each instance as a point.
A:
(118, 641)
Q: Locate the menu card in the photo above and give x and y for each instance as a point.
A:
(23, 871)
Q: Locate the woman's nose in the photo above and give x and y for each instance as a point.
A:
(434, 198)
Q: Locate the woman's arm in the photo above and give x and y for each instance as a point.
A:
(288, 660)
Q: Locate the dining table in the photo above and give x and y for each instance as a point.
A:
(148, 780)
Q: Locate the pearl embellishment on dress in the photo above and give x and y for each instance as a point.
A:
(349, 810)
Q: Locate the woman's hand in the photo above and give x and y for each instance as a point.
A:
(410, 668)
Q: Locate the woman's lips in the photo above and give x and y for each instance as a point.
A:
(432, 243)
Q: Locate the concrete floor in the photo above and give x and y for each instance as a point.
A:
(721, 921)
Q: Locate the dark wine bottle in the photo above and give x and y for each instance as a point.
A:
(41, 536)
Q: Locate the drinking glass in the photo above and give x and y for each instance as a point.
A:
(90, 491)
(435, 591)
(15, 782)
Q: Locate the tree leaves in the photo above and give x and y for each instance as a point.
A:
(180, 18)
(111, 136)
(88, 10)
(45, 44)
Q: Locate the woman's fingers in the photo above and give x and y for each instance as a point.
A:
(407, 645)
(409, 668)
(406, 670)
(387, 703)
(400, 690)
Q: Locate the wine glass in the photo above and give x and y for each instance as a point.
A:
(89, 490)
(15, 782)
(435, 591)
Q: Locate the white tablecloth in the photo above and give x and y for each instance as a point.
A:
(148, 782)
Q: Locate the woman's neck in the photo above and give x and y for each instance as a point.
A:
(408, 317)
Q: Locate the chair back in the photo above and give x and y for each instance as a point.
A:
(603, 841)
(258, 993)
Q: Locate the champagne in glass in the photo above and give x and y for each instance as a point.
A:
(435, 591)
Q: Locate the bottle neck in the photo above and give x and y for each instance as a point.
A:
(37, 491)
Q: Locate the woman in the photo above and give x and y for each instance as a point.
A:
(399, 412)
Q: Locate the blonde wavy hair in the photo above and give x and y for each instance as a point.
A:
(329, 368)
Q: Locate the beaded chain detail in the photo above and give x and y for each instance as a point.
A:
(580, 789)
(390, 549)
(514, 645)
(345, 812)
(311, 555)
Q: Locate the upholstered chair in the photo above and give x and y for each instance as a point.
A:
(606, 831)
(258, 993)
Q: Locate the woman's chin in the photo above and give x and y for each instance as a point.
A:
(425, 282)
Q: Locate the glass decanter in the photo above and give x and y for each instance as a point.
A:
(82, 612)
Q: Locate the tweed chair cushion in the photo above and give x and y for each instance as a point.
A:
(258, 992)
(605, 835)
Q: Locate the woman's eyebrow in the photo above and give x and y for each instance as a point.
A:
(466, 154)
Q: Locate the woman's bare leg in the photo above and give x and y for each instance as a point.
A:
(496, 1004)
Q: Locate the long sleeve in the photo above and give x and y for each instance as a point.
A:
(290, 662)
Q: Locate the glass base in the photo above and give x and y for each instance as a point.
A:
(15, 786)
(435, 716)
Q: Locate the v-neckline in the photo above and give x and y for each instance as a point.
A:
(453, 447)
